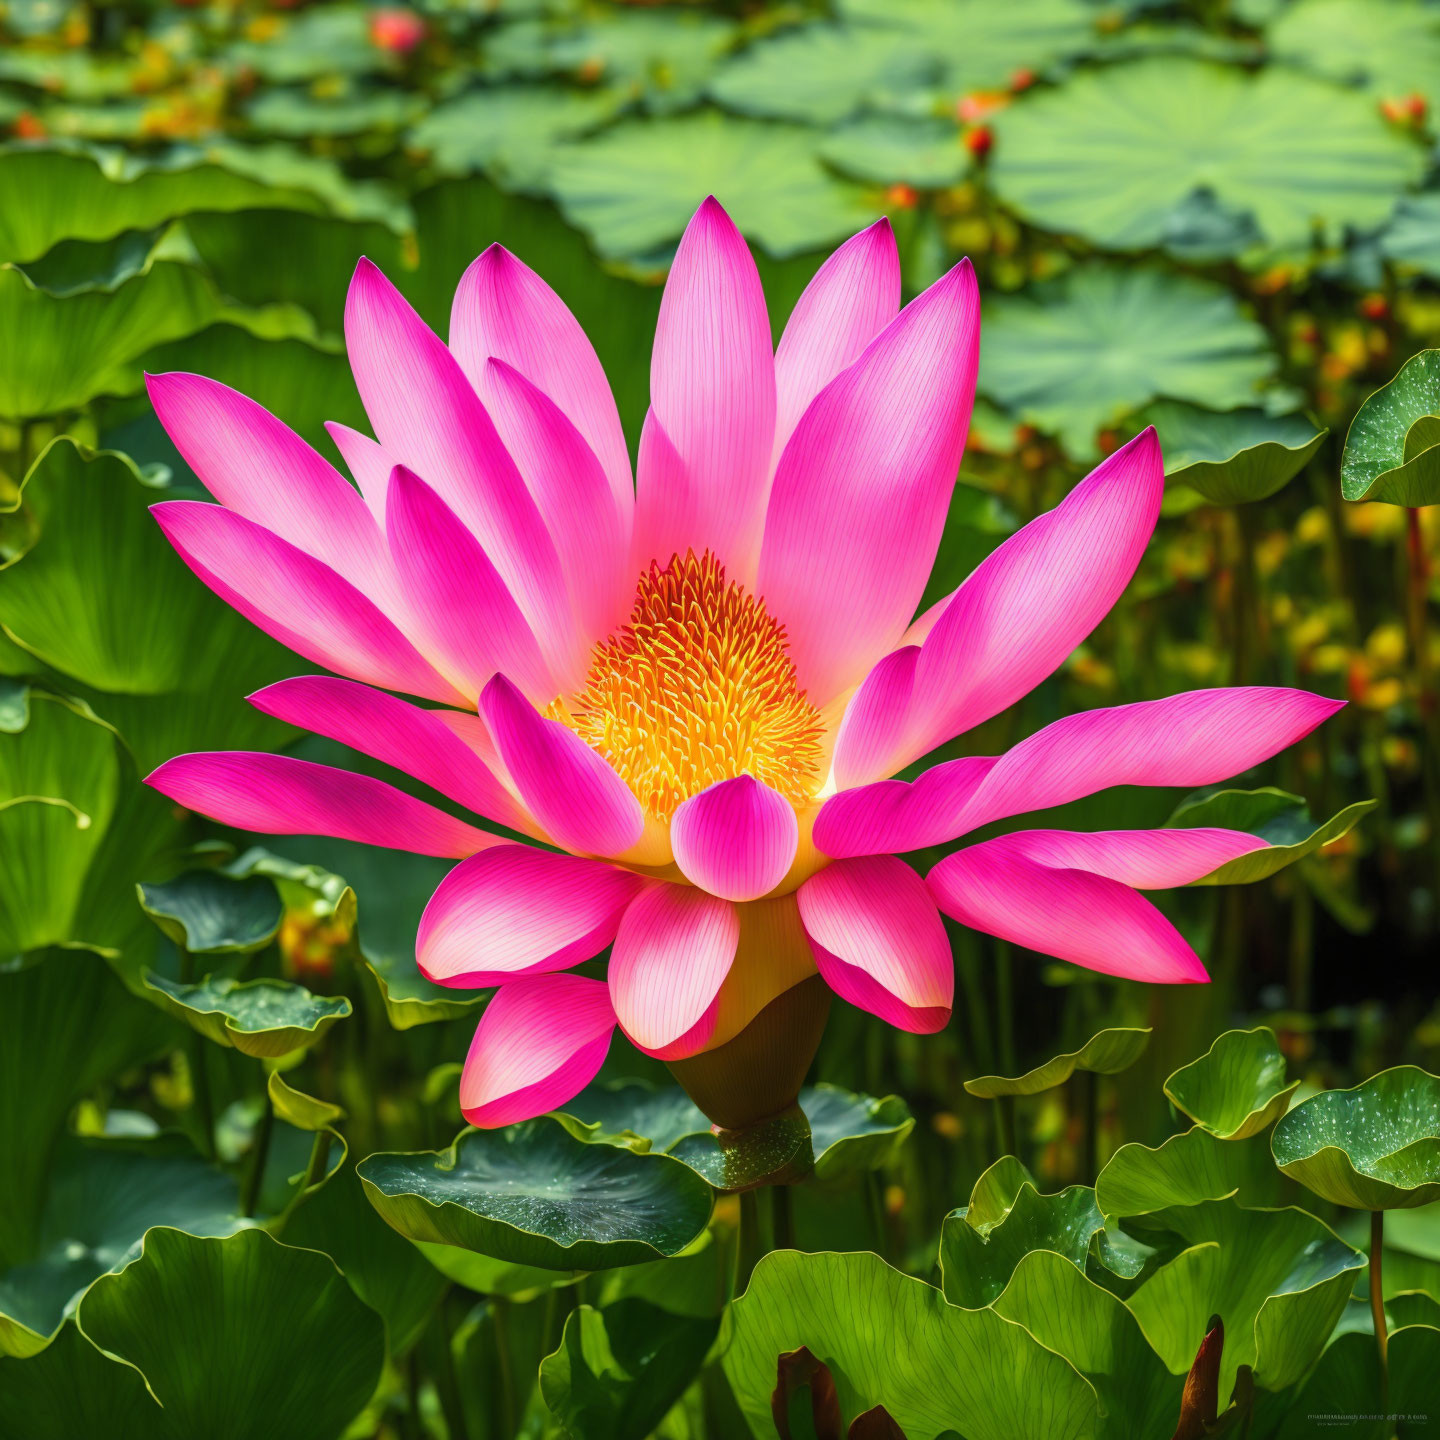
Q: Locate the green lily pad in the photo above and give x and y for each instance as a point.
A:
(533, 1194)
(1374, 1147)
(1099, 1336)
(633, 189)
(329, 40)
(925, 151)
(779, 1147)
(1277, 817)
(297, 114)
(296, 1108)
(1237, 1088)
(1078, 353)
(637, 1115)
(1412, 238)
(618, 1370)
(1347, 1383)
(1379, 463)
(1113, 154)
(996, 1191)
(934, 1367)
(265, 1018)
(208, 913)
(695, 1282)
(102, 1198)
(1107, 1052)
(1187, 1169)
(1231, 457)
(852, 1134)
(197, 1317)
(488, 1276)
(1279, 1278)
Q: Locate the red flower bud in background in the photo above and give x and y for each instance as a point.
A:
(396, 29)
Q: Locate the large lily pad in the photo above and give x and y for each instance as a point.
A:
(1279, 1278)
(924, 150)
(102, 1198)
(199, 1317)
(775, 1149)
(1237, 1088)
(209, 913)
(1347, 1383)
(1374, 1147)
(1187, 1169)
(533, 1194)
(1113, 154)
(1380, 461)
(1078, 353)
(1277, 817)
(637, 1115)
(619, 1370)
(633, 188)
(853, 1133)
(1107, 1052)
(934, 1367)
(265, 1017)
(1231, 457)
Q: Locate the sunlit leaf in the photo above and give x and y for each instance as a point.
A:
(1237, 1088)
(261, 1017)
(1186, 1170)
(209, 913)
(1105, 1053)
(1379, 463)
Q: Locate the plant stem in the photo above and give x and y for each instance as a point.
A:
(500, 1314)
(782, 1218)
(448, 1384)
(319, 1158)
(1005, 1006)
(1005, 1123)
(749, 1243)
(1377, 1306)
(256, 1174)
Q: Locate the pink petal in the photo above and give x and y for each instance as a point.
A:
(504, 310)
(583, 805)
(1088, 919)
(879, 941)
(672, 953)
(712, 393)
(878, 711)
(278, 795)
(411, 739)
(736, 839)
(591, 532)
(368, 463)
(853, 297)
(517, 911)
(1197, 738)
(260, 468)
(539, 1043)
(297, 600)
(471, 622)
(1028, 605)
(1144, 859)
(863, 486)
(428, 418)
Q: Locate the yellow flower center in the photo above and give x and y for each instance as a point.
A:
(697, 687)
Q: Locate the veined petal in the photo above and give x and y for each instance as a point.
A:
(863, 486)
(503, 310)
(429, 418)
(1142, 859)
(456, 595)
(369, 464)
(1072, 913)
(712, 393)
(591, 532)
(736, 839)
(878, 712)
(1196, 738)
(673, 951)
(583, 805)
(879, 941)
(406, 736)
(261, 469)
(539, 1043)
(295, 599)
(518, 911)
(279, 795)
(852, 298)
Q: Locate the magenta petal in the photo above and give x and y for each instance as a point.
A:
(504, 311)
(863, 486)
(736, 839)
(368, 463)
(297, 600)
(583, 805)
(890, 817)
(429, 418)
(1088, 919)
(518, 911)
(406, 736)
(470, 620)
(278, 795)
(539, 1043)
(673, 951)
(879, 941)
(852, 298)
(878, 712)
(1143, 859)
(712, 392)
(261, 469)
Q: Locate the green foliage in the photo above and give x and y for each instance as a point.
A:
(266, 1018)
(1237, 1088)
(209, 913)
(1392, 452)
(1106, 1053)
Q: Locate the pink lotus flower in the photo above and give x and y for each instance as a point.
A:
(694, 687)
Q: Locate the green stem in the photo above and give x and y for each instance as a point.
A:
(1005, 1123)
(500, 1313)
(1377, 1306)
(1005, 1006)
(449, 1383)
(319, 1158)
(782, 1218)
(749, 1243)
(256, 1174)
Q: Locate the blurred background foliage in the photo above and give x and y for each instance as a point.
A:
(1220, 218)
